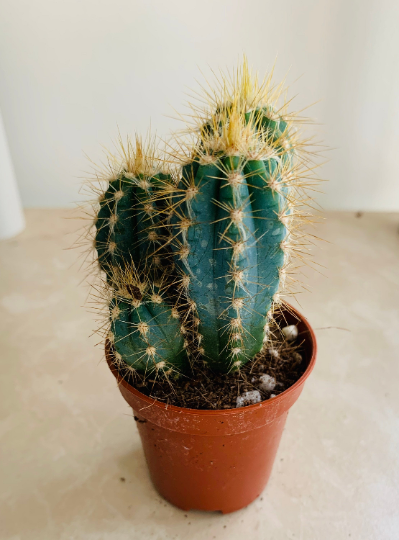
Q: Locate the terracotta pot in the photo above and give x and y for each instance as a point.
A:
(214, 460)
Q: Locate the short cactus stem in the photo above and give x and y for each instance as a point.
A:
(146, 335)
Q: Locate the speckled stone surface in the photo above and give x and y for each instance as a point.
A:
(71, 464)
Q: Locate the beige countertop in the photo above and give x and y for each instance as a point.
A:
(71, 464)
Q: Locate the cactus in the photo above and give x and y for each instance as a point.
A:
(127, 224)
(145, 331)
(235, 213)
(230, 234)
(144, 328)
(197, 260)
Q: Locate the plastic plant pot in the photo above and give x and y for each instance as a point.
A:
(215, 460)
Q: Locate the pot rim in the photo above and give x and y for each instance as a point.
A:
(271, 402)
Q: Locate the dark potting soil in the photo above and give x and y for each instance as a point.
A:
(203, 389)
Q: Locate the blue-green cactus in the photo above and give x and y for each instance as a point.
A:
(212, 246)
(230, 232)
(128, 225)
(145, 329)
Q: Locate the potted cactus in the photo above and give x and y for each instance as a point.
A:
(195, 247)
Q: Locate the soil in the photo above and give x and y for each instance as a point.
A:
(204, 389)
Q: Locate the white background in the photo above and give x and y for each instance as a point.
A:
(73, 70)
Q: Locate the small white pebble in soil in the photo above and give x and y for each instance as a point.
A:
(253, 380)
(273, 352)
(297, 358)
(272, 396)
(290, 332)
(267, 383)
(249, 398)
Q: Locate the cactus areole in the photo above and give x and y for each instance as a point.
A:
(196, 248)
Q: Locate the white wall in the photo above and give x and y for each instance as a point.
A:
(72, 70)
